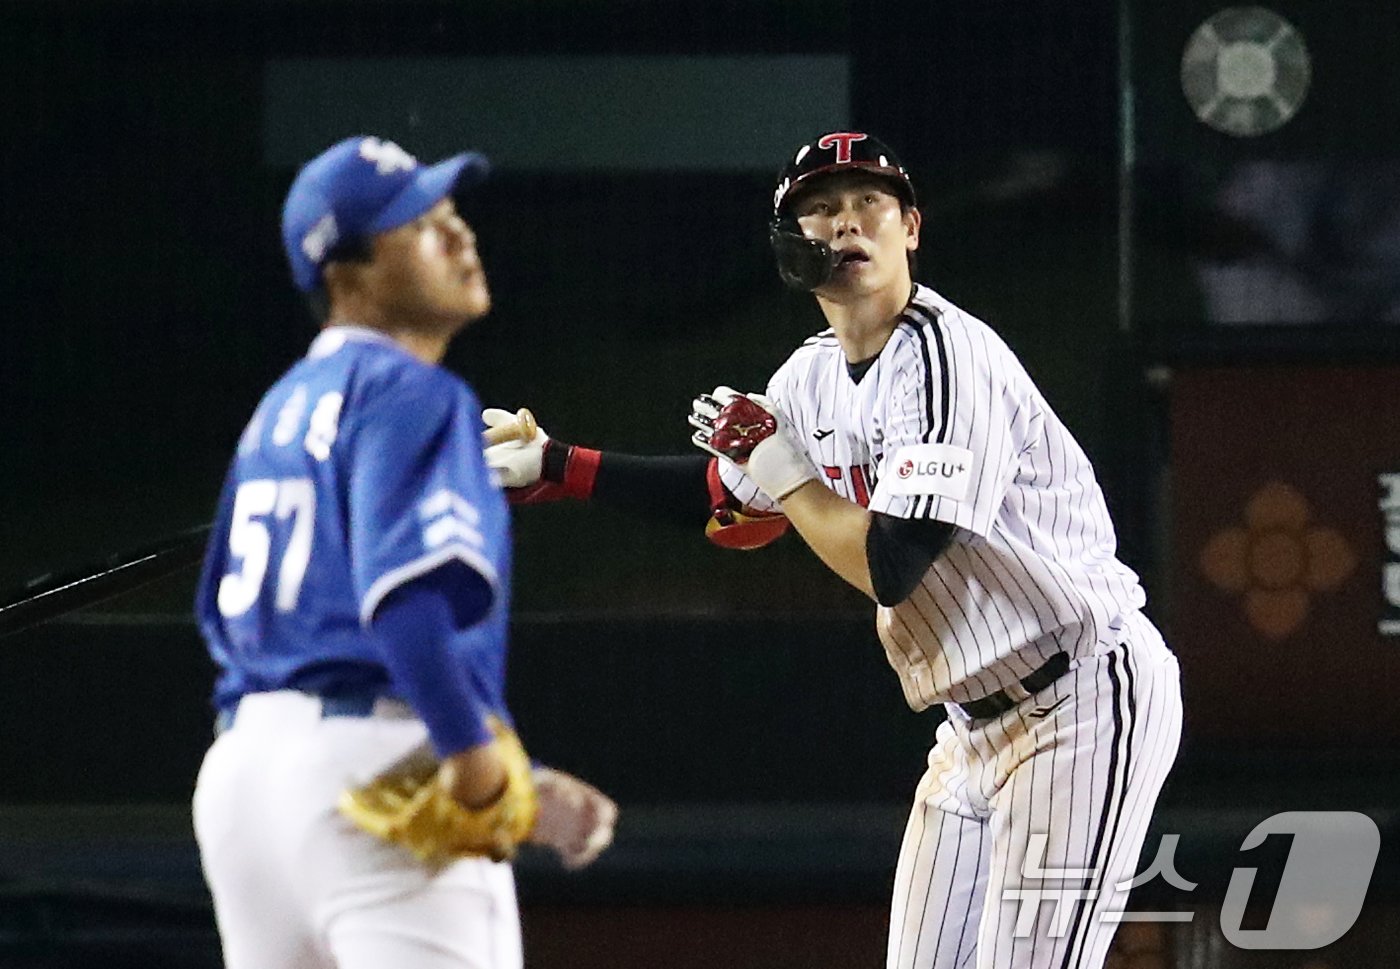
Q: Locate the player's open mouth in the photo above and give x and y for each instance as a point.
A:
(850, 257)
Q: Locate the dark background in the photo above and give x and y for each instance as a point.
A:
(736, 704)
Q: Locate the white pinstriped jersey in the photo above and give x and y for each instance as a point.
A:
(946, 424)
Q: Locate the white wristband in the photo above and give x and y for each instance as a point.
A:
(780, 466)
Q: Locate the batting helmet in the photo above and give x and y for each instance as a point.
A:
(807, 263)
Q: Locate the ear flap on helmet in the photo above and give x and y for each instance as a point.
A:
(803, 263)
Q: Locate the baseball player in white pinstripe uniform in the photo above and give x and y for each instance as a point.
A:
(910, 449)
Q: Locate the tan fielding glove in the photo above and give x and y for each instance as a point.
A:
(411, 807)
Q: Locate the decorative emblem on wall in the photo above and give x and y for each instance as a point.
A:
(1245, 71)
(1277, 560)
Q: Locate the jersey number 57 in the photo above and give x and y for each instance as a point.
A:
(249, 539)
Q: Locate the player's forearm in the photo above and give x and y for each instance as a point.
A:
(413, 629)
(661, 488)
(658, 488)
(835, 529)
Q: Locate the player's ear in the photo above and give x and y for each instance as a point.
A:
(913, 219)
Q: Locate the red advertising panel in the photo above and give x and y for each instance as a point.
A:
(1285, 605)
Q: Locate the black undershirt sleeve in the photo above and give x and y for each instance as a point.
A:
(674, 489)
(899, 552)
(661, 488)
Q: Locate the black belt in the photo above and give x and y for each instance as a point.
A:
(995, 704)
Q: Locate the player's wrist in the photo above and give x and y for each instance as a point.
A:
(574, 469)
(475, 777)
(779, 466)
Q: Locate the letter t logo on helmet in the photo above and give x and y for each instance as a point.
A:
(842, 141)
(840, 151)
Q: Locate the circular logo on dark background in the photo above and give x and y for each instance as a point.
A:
(1246, 71)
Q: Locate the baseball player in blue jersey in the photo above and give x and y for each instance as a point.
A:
(913, 453)
(355, 596)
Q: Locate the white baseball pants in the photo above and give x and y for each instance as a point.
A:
(296, 886)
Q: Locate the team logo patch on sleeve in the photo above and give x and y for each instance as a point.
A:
(447, 516)
(929, 469)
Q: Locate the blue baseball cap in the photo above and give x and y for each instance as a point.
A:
(357, 188)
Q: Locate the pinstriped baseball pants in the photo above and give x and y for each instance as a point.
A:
(1024, 825)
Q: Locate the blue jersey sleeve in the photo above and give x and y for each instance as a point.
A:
(417, 487)
(412, 630)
